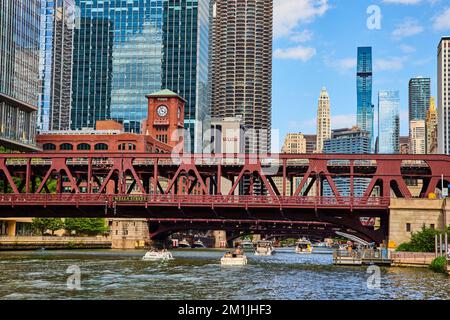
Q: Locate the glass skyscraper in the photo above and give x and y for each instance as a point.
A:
(365, 108)
(388, 122)
(19, 72)
(125, 49)
(57, 25)
(419, 98)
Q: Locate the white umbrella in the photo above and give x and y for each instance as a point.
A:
(353, 238)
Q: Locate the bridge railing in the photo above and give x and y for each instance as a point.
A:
(189, 200)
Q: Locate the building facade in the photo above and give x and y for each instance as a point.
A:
(364, 79)
(348, 141)
(311, 140)
(228, 136)
(431, 127)
(417, 137)
(242, 66)
(294, 143)
(19, 73)
(323, 120)
(404, 144)
(55, 99)
(443, 100)
(419, 98)
(388, 122)
(125, 49)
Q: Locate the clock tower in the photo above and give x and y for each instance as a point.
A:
(165, 120)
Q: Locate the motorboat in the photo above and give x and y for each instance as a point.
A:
(247, 245)
(184, 244)
(198, 244)
(237, 258)
(155, 255)
(264, 248)
(303, 246)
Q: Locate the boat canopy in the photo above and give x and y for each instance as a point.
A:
(353, 238)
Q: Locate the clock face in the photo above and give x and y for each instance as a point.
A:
(162, 111)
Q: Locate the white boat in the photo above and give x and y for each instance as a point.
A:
(184, 244)
(303, 246)
(198, 244)
(154, 255)
(264, 248)
(233, 259)
(247, 245)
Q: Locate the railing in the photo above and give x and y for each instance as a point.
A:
(189, 200)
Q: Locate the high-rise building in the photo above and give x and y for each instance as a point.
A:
(443, 106)
(365, 108)
(125, 49)
(404, 144)
(311, 140)
(417, 137)
(323, 120)
(19, 73)
(388, 121)
(242, 66)
(431, 128)
(348, 141)
(294, 143)
(55, 99)
(419, 98)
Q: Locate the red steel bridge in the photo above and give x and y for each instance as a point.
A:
(281, 193)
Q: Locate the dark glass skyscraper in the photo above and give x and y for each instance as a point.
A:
(57, 25)
(365, 108)
(388, 122)
(127, 49)
(419, 98)
(19, 72)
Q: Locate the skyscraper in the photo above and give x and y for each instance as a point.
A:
(388, 122)
(55, 99)
(348, 141)
(419, 98)
(294, 143)
(365, 108)
(443, 106)
(431, 128)
(417, 136)
(242, 65)
(19, 73)
(323, 120)
(127, 49)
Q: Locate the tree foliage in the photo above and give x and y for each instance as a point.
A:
(421, 241)
(41, 225)
(85, 226)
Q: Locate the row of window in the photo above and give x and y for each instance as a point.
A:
(69, 146)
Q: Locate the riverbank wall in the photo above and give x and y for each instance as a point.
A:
(49, 243)
(412, 259)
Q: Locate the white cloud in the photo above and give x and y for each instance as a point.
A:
(303, 36)
(407, 49)
(389, 64)
(297, 53)
(442, 21)
(409, 27)
(288, 14)
(342, 65)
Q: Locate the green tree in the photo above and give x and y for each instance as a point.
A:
(85, 226)
(41, 225)
(422, 241)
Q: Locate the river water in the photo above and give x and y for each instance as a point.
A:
(197, 274)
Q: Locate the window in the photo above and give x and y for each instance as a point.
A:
(101, 146)
(83, 146)
(432, 226)
(66, 146)
(49, 146)
(408, 227)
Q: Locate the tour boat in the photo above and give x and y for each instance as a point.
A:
(198, 244)
(234, 259)
(247, 245)
(303, 246)
(154, 255)
(264, 248)
(184, 244)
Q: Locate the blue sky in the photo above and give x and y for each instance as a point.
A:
(315, 44)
